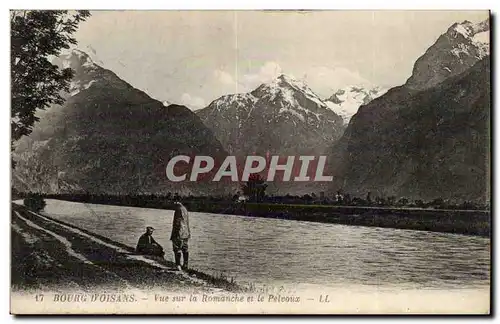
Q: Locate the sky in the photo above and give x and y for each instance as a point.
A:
(194, 57)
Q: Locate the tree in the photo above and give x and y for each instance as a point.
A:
(255, 187)
(419, 203)
(369, 197)
(403, 201)
(307, 198)
(35, 202)
(36, 83)
(391, 200)
(437, 203)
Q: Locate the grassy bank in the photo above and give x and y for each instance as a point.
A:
(48, 254)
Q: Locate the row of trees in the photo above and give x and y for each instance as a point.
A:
(254, 191)
(163, 201)
(255, 188)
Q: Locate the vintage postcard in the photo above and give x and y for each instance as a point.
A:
(250, 162)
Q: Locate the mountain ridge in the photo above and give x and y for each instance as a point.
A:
(111, 137)
(270, 117)
(438, 147)
(456, 50)
(428, 138)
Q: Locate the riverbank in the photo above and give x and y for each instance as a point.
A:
(50, 255)
(467, 222)
(353, 261)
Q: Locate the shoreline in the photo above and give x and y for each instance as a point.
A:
(48, 254)
(454, 221)
(469, 222)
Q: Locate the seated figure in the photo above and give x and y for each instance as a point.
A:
(147, 244)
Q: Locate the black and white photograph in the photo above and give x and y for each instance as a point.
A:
(250, 162)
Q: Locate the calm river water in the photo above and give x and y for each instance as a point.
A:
(292, 253)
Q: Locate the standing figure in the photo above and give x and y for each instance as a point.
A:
(180, 236)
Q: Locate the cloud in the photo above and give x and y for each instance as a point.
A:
(268, 72)
(224, 77)
(324, 80)
(248, 82)
(192, 102)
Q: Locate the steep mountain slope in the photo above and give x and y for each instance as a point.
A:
(109, 137)
(345, 102)
(454, 52)
(421, 144)
(283, 117)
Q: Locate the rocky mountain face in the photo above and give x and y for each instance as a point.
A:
(283, 117)
(421, 144)
(455, 51)
(108, 137)
(345, 102)
(429, 138)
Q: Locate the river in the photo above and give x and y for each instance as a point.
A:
(286, 253)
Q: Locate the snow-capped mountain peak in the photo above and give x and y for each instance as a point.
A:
(459, 48)
(237, 98)
(286, 80)
(235, 101)
(82, 65)
(346, 101)
(475, 36)
(283, 115)
(288, 90)
(468, 29)
(283, 91)
(279, 87)
(75, 59)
